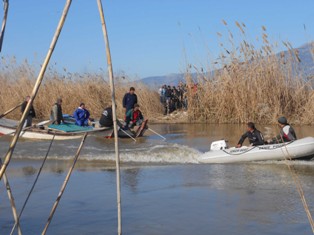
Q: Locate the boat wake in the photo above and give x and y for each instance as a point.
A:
(161, 154)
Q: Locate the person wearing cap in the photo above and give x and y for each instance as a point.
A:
(129, 100)
(133, 117)
(254, 136)
(56, 115)
(286, 134)
(81, 115)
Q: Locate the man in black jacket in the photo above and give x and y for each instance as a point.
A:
(255, 136)
(31, 113)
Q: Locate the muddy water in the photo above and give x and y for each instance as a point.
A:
(164, 188)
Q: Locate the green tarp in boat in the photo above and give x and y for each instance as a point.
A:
(70, 127)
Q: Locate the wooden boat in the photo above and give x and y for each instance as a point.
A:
(44, 132)
(219, 153)
(139, 132)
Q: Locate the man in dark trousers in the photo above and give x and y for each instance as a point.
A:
(255, 136)
(129, 100)
(56, 115)
(31, 113)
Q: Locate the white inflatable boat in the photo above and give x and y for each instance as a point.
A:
(219, 152)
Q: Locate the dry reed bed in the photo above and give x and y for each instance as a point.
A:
(251, 85)
(17, 81)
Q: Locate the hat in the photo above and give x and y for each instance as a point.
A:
(282, 120)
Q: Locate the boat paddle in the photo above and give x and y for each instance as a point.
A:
(156, 133)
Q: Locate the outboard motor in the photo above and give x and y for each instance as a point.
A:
(219, 145)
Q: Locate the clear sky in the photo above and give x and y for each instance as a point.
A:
(147, 37)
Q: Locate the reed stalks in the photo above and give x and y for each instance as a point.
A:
(251, 84)
(17, 81)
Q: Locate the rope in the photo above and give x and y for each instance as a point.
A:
(64, 185)
(10, 195)
(298, 185)
(33, 186)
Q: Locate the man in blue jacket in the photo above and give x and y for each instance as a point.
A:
(129, 100)
(81, 115)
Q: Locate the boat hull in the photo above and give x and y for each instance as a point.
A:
(291, 150)
(46, 133)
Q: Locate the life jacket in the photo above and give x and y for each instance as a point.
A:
(136, 115)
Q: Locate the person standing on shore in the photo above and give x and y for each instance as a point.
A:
(255, 136)
(129, 100)
(56, 115)
(31, 113)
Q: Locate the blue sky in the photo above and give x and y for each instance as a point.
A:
(147, 38)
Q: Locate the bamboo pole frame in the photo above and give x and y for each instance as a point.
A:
(34, 184)
(10, 110)
(4, 21)
(114, 114)
(55, 205)
(12, 202)
(40, 77)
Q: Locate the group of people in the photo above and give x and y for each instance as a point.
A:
(133, 115)
(256, 138)
(173, 98)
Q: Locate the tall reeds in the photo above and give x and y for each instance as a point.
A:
(251, 85)
(17, 81)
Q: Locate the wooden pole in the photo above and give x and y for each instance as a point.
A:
(34, 184)
(4, 21)
(11, 198)
(156, 133)
(64, 185)
(10, 110)
(35, 89)
(128, 134)
(114, 115)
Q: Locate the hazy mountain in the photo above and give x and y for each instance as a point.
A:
(306, 65)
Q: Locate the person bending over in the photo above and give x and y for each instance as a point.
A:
(255, 136)
(134, 117)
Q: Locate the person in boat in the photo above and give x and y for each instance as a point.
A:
(31, 114)
(129, 100)
(134, 117)
(56, 115)
(286, 134)
(81, 115)
(106, 119)
(255, 136)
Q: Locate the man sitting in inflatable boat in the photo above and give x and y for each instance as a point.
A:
(286, 134)
(255, 136)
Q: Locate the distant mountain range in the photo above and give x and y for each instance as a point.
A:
(306, 65)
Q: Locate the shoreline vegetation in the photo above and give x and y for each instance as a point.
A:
(245, 84)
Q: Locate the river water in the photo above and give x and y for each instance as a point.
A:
(164, 188)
